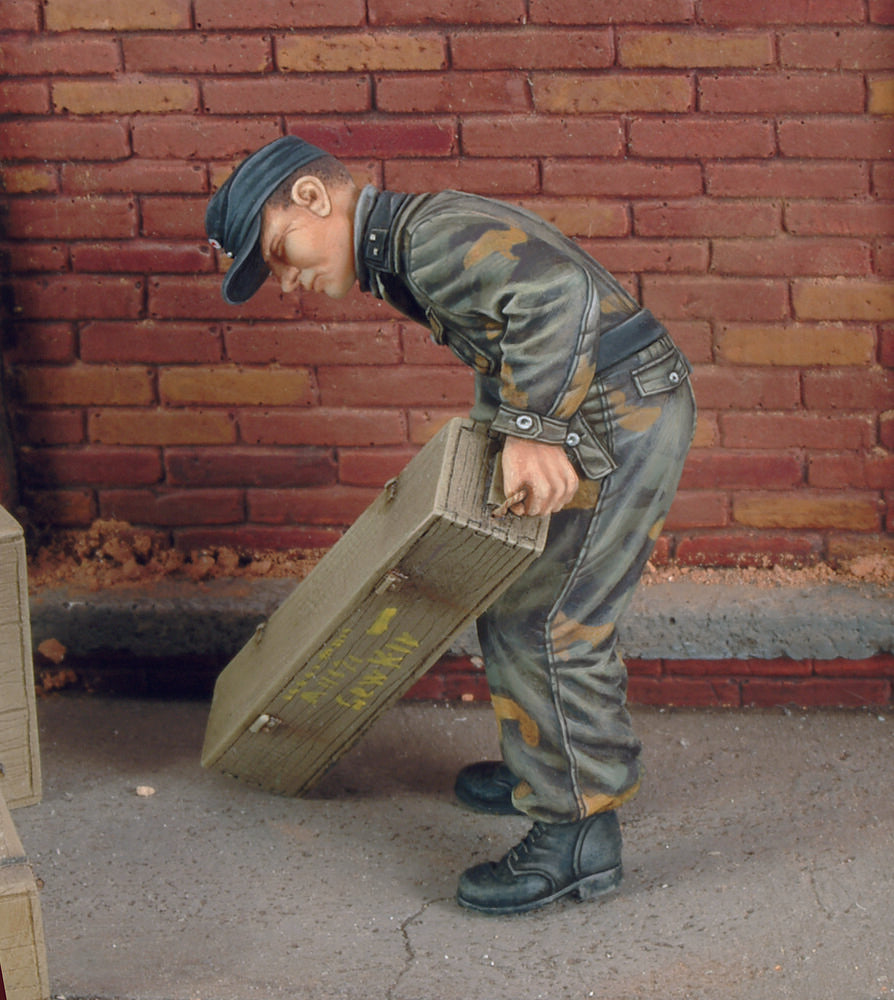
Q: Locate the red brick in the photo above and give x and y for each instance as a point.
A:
(420, 349)
(843, 548)
(533, 48)
(283, 94)
(19, 258)
(780, 667)
(468, 12)
(313, 344)
(849, 389)
(140, 257)
(150, 342)
(198, 297)
(361, 138)
(854, 49)
(496, 178)
(93, 466)
(372, 466)
(42, 55)
(573, 94)
(611, 11)
(395, 386)
(796, 430)
(701, 509)
(161, 427)
(781, 92)
(134, 177)
(886, 347)
(48, 427)
(694, 339)
(619, 180)
(30, 139)
(881, 11)
(783, 12)
(323, 426)
(722, 387)
(325, 505)
(116, 15)
(206, 137)
(886, 431)
(846, 693)
(716, 298)
(85, 385)
(243, 466)
(20, 15)
(875, 666)
(748, 549)
(510, 135)
(787, 180)
(704, 693)
(424, 424)
(71, 218)
(785, 256)
(69, 296)
(61, 508)
(697, 217)
(741, 470)
(173, 508)
(191, 53)
(883, 180)
(643, 668)
(829, 138)
(225, 15)
(697, 137)
(848, 471)
(171, 218)
(36, 342)
(866, 218)
(656, 256)
(694, 48)
(451, 93)
(804, 345)
(24, 97)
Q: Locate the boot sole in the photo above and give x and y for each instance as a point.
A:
(586, 889)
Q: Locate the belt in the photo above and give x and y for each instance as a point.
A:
(627, 338)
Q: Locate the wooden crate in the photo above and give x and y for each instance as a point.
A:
(23, 952)
(20, 778)
(425, 559)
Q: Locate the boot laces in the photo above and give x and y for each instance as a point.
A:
(522, 849)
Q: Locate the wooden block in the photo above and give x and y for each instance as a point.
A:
(425, 559)
(20, 777)
(23, 950)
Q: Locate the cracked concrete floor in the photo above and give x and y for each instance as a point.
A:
(757, 857)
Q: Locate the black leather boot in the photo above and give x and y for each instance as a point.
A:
(554, 860)
(487, 787)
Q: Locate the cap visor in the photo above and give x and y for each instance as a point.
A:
(248, 271)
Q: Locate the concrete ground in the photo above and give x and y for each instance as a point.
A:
(757, 856)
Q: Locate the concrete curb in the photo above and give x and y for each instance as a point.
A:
(676, 621)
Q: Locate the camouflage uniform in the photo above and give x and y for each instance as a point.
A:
(562, 354)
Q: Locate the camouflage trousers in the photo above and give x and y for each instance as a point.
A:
(557, 680)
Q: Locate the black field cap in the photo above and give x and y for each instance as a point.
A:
(233, 217)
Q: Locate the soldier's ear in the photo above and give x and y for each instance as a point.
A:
(310, 192)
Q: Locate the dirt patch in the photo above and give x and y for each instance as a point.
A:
(114, 553)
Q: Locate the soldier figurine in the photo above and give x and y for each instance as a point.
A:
(592, 401)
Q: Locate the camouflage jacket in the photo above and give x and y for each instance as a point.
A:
(507, 292)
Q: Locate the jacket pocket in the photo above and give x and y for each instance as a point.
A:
(663, 374)
(462, 346)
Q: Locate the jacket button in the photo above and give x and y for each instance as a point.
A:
(524, 422)
(673, 378)
(573, 439)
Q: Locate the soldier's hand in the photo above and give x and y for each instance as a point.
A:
(543, 471)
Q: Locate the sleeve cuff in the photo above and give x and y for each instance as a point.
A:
(525, 424)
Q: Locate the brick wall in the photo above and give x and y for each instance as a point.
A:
(729, 160)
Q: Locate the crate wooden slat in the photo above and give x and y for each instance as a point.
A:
(23, 952)
(20, 776)
(425, 559)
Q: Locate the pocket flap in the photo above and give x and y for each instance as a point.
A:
(663, 374)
